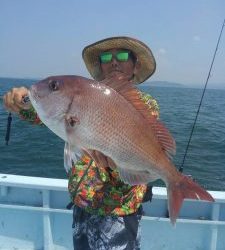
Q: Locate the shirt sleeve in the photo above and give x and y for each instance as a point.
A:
(151, 102)
(30, 115)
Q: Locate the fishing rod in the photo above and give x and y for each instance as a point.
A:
(8, 129)
(203, 93)
(25, 100)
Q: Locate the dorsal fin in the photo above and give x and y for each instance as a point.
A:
(124, 87)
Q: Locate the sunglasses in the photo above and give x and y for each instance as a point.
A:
(120, 56)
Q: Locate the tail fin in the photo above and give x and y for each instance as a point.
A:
(185, 188)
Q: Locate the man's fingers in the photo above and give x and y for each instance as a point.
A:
(111, 163)
(8, 102)
(18, 100)
(101, 158)
(13, 100)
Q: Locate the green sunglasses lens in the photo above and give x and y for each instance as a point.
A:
(122, 56)
(106, 57)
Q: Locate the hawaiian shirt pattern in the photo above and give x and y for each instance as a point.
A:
(97, 189)
(30, 115)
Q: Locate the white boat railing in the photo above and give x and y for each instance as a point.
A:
(33, 215)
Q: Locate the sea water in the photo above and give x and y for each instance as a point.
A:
(36, 151)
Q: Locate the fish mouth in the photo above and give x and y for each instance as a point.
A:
(33, 95)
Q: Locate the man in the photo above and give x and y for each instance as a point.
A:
(107, 211)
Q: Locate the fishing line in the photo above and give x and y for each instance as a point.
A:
(203, 93)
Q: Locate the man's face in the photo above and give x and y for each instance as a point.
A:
(118, 63)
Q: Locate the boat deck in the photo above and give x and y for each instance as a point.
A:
(33, 215)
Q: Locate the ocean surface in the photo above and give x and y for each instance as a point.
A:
(36, 151)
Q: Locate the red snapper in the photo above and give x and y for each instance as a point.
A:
(109, 117)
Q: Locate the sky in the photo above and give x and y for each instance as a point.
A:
(46, 37)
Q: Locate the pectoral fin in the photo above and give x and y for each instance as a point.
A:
(71, 156)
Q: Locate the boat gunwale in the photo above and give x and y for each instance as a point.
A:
(61, 185)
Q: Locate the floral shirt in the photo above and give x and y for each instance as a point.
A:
(99, 190)
(30, 115)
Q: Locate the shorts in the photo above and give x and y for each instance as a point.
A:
(94, 232)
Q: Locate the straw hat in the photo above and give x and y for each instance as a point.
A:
(140, 50)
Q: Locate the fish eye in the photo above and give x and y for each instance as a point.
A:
(53, 85)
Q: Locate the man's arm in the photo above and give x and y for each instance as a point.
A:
(13, 101)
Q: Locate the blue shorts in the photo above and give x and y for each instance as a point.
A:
(106, 232)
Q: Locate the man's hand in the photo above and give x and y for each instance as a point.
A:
(13, 100)
(100, 159)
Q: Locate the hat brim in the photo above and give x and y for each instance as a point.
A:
(140, 50)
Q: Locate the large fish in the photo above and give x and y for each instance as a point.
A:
(110, 118)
